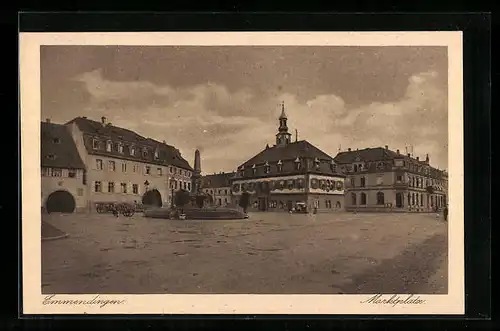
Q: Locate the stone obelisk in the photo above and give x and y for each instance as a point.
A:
(196, 176)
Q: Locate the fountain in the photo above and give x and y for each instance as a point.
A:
(191, 205)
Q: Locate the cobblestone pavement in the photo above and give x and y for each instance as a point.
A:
(270, 253)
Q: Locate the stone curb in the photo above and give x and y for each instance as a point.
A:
(56, 237)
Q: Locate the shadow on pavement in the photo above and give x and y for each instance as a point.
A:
(407, 273)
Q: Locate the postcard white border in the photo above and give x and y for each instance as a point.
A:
(29, 66)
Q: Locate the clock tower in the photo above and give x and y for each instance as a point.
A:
(283, 137)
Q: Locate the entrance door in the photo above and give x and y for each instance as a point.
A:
(152, 198)
(289, 205)
(60, 202)
(399, 200)
(262, 204)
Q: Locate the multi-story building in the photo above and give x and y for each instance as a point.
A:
(218, 186)
(63, 183)
(123, 166)
(288, 173)
(379, 179)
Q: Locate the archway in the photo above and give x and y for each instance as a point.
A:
(152, 198)
(399, 200)
(60, 202)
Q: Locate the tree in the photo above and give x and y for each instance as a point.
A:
(244, 201)
(182, 198)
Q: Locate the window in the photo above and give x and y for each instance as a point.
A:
(111, 166)
(111, 187)
(398, 163)
(189, 186)
(355, 168)
(225, 201)
(380, 180)
(333, 167)
(297, 164)
(56, 141)
(109, 146)
(416, 199)
(279, 166)
(84, 178)
(353, 199)
(171, 170)
(132, 150)
(46, 171)
(338, 205)
(79, 192)
(71, 173)
(413, 198)
(51, 156)
(254, 169)
(353, 182)
(363, 198)
(399, 178)
(56, 173)
(267, 168)
(421, 199)
(380, 198)
(134, 168)
(225, 192)
(124, 167)
(144, 152)
(135, 189)
(124, 187)
(120, 148)
(159, 171)
(95, 144)
(148, 170)
(185, 185)
(328, 204)
(157, 155)
(363, 181)
(175, 170)
(175, 184)
(97, 187)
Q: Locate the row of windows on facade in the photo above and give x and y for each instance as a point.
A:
(111, 188)
(414, 199)
(120, 148)
(362, 166)
(324, 184)
(279, 167)
(412, 181)
(57, 172)
(289, 204)
(220, 192)
(135, 168)
(181, 185)
(419, 182)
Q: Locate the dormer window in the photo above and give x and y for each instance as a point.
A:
(297, 163)
(157, 154)
(132, 150)
(51, 156)
(120, 148)
(333, 166)
(242, 171)
(95, 144)
(56, 141)
(316, 163)
(279, 166)
(109, 146)
(267, 168)
(145, 152)
(254, 169)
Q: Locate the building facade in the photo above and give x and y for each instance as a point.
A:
(379, 179)
(63, 185)
(218, 186)
(290, 173)
(123, 166)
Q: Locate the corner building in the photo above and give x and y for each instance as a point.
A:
(288, 173)
(218, 186)
(379, 179)
(63, 184)
(122, 166)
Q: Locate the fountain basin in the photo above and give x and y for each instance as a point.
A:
(199, 213)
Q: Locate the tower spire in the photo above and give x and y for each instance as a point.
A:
(283, 137)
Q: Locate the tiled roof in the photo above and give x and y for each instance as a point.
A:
(168, 155)
(217, 180)
(367, 154)
(58, 150)
(300, 149)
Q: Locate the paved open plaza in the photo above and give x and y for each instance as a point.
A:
(269, 253)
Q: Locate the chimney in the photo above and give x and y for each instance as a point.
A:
(47, 120)
(427, 159)
(349, 149)
(103, 120)
(397, 151)
(164, 142)
(386, 147)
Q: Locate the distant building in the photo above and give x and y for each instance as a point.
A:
(288, 173)
(218, 186)
(63, 182)
(379, 179)
(123, 166)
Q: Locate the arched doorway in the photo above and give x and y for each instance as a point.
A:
(399, 200)
(152, 198)
(60, 202)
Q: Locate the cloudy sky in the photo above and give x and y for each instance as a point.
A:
(225, 101)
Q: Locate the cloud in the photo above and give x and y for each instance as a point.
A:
(230, 127)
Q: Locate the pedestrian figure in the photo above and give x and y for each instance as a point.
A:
(445, 213)
(115, 210)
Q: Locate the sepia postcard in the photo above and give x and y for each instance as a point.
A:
(242, 173)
